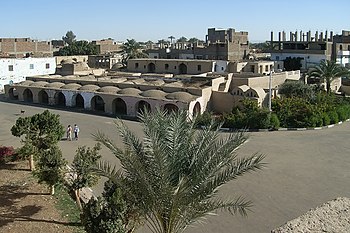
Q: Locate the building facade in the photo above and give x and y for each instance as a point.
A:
(24, 47)
(221, 44)
(14, 70)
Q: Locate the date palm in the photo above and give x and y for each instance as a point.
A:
(174, 173)
(327, 71)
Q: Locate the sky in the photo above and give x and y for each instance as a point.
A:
(158, 19)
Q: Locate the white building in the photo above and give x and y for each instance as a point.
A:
(14, 70)
(343, 58)
(308, 60)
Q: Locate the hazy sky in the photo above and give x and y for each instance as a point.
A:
(159, 19)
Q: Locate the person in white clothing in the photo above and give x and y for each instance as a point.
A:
(76, 131)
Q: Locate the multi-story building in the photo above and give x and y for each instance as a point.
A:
(24, 47)
(107, 46)
(220, 44)
(14, 70)
(310, 49)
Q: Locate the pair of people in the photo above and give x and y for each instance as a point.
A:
(70, 131)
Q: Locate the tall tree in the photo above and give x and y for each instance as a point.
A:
(50, 169)
(132, 49)
(177, 170)
(327, 71)
(195, 40)
(182, 39)
(85, 159)
(41, 131)
(81, 47)
(69, 38)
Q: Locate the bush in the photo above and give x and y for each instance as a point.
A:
(326, 119)
(7, 154)
(203, 119)
(274, 121)
(342, 113)
(333, 116)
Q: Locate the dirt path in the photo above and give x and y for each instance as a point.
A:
(25, 206)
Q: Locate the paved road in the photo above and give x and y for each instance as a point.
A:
(305, 168)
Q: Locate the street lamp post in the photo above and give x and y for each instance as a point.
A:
(270, 90)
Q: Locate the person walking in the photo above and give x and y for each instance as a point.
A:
(76, 131)
(69, 133)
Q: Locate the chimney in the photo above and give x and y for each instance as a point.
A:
(283, 35)
(321, 36)
(309, 36)
(290, 36)
(316, 36)
(301, 36)
(326, 36)
(331, 36)
(296, 35)
(279, 37)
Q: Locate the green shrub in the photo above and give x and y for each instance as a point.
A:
(326, 119)
(203, 119)
(333, 116)
(274, 121)
(342, 113)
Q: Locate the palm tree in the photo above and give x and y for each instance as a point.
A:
(327, 71)
(182, 39)
(132, 49)
(171, 39)
(174, 173)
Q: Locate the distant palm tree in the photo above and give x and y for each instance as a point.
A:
(182, 39)
(171, 39)
(175, 172)
(327, 71)
(132, 49)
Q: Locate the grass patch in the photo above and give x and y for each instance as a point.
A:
(68, 208)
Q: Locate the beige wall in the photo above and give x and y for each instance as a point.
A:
(170, 66)
(78, 58)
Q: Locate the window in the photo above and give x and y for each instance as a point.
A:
(166, 66)
(340, 47)
(10, 67)
(31, 66)
(174, 67)
(199, 67)
(349, 47)
(47, 65)
(136, 65)
(266, 68)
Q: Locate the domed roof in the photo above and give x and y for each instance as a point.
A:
(109, 89)
(157, 82)
(55, 85)
(89, 87)
(174, 84)
(135, 81)
(181, 96)
(129, 91)
(71, 86)
(26, 82)
(154, 94)
(38, 84)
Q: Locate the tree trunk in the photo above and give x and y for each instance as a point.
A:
(52, 189)
(77, 197)
(31, 162)
(328, 85)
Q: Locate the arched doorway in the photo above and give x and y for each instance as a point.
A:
(171, 108)
(13, 94)
(97, 104)
(60, 99)
(196, 109)
(28, 96)
(119, 106)
(142, 105)
(182, 69)
(151, 68)
(43, 97)
(79, 101)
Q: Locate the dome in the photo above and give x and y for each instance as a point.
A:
(174, 84)
(158, 82)
(129, 91)
(135, 81)
(55, 85)
(181, 96)
(89, 87)
(26, 82)
(154, 94)
(71, 86)
(109, 89)
(38, 84)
